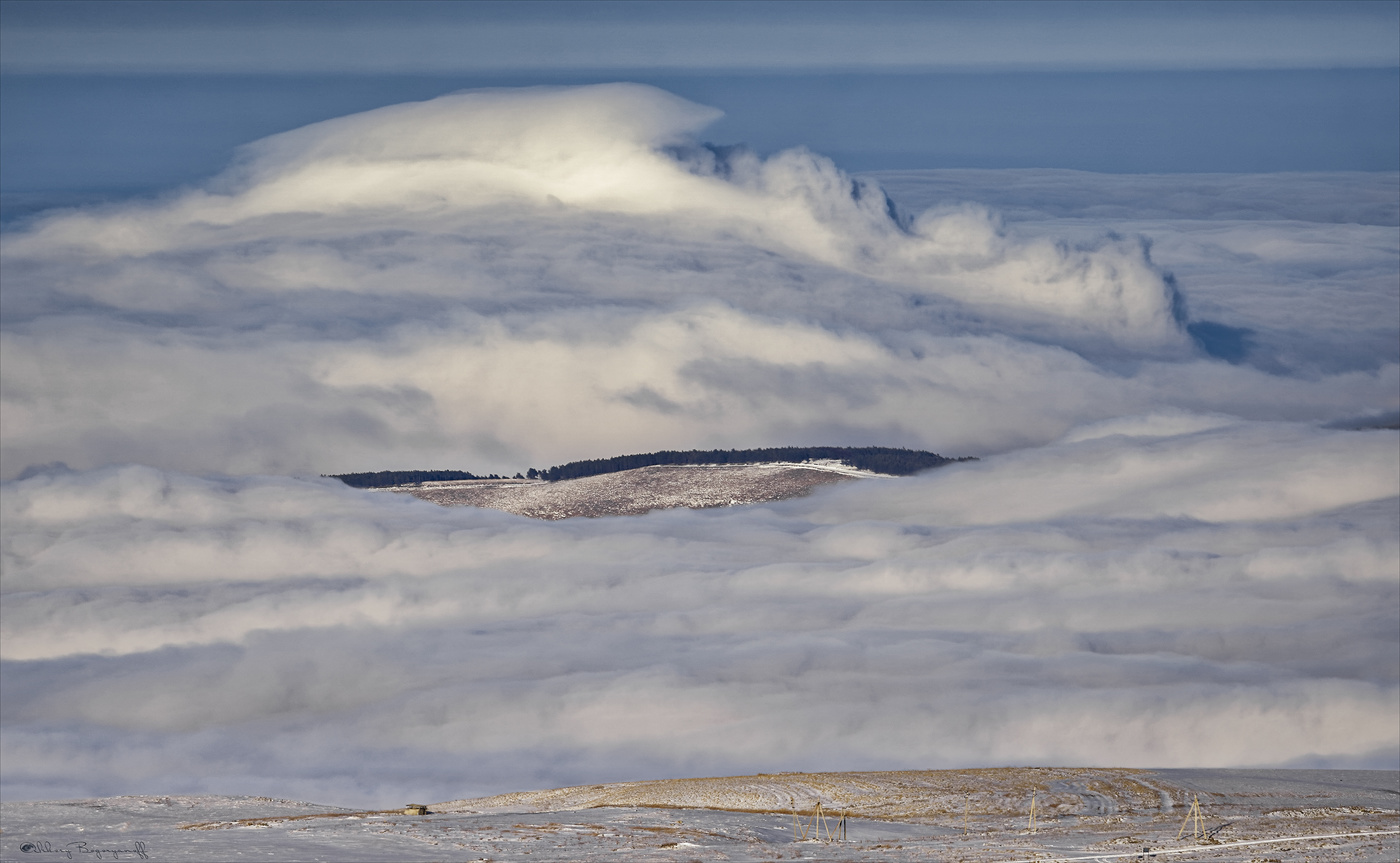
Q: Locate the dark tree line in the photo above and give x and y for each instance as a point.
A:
(386, 478)
(900, 462)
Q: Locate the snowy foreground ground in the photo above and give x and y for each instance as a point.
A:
(972, 815)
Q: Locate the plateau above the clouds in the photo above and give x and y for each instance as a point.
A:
(637, 484)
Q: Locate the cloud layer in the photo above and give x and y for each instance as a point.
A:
(1130, 599)
(503, 278)
(1164, 558)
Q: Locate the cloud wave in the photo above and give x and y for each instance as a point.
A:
(459, 280)
(630, 149)
(966, 616)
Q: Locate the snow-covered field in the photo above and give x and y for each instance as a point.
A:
(641, 490)
(972, 815)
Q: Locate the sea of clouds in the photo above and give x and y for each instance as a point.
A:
(1180, 547)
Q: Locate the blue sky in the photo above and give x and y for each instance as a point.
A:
(407, 37)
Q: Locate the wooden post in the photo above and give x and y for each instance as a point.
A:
(1031, 824)
(807, 823)
(1199, 827)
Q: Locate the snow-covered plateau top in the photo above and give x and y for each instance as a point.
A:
(643, 489)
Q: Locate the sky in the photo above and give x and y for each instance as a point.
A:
(393, 37)
(1178, 547)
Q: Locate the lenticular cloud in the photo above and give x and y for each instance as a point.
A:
(1179, 547)
(629, 149)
